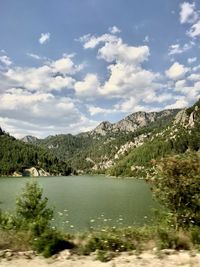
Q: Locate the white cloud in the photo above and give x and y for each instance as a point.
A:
(180, 103)
(126, 79)
(146, 39)
(194, 77)
(54, 75)
(5, 60)
(176, 71)
(114, 49)
(126, 76)
(114, 30)
(196, 68)
(128, 105)
(90, 41)
(34, 56)
(89, 87)
(180, 84)
(118, 51)
(44, 38)
(131, 105)
(195, 30)
(38, 113)
(178, 49)
(185, 95)
(65, 65)
(41, 78)
(188, 13)
(94, 110)
(192, 60)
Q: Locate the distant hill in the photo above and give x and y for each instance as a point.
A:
(18, 158)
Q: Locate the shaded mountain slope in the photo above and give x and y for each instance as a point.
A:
(16, 156)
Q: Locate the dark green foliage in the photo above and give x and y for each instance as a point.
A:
(192, 108)
(177, 187)
(34, 217)
(170, 239)
(195, 235)
(51, 242)
(115, 240)
(31, 208)
(105, 256)
(141, 156)
(17, 156)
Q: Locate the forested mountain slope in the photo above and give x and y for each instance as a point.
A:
(99, 149)
(16, 156)
(183, 134)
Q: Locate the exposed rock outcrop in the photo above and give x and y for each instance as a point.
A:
(32, 172)
(29, 139)
(132, 122)
(185, 119)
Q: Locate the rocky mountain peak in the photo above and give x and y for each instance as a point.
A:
(29, 139)
(132, 122)
(102, 128)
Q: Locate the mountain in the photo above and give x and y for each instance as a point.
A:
(29, 139)
(101, 148)
(18, 158)
(180, 136)
(124, 148)
(134, 121)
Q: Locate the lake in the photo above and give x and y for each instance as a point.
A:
(84, 202)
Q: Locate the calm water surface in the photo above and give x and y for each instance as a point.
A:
(83, 202)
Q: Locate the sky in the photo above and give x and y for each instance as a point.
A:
(67, 65)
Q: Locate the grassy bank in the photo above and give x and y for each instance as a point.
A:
(106, 243)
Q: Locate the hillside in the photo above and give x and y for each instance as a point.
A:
(19, 158)
(180, 136)
(126, 148)
(101, 148)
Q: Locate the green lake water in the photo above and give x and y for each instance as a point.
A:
(83, 202)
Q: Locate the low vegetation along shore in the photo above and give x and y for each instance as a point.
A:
(176, 185)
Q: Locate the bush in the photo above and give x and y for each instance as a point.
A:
(51, 242)
(170, 239)
(105, 256)
(195, 235)
(177, 187)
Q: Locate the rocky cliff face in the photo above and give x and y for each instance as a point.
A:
(132, 122)
(186, 119)
(29, 139)
(103, 128)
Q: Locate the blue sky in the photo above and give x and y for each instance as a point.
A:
(66, 65)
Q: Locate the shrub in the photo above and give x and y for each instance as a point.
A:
(195, 235)
(51, 242)
(177, 187)
(105, 256)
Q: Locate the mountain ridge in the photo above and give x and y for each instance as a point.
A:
(99, 149)
(128, 124)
